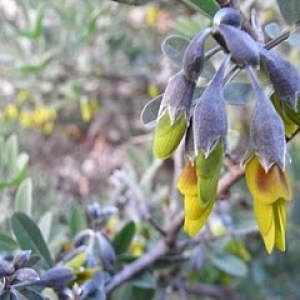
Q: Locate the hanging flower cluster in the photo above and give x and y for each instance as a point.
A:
(202, 123)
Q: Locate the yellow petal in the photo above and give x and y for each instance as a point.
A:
(187, 183)
(279, 217)
(193, 210)
(192, 227)
(269, 238)
(267, 187)
(168, 136)
(264, 216)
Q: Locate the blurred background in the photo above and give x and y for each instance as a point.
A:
(75, 76)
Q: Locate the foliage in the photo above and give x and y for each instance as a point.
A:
(131, 246)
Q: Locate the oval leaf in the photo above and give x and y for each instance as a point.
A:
(230, 264)
(77, 220)
(173, 47)
(45, 223)
(30, 237)
(206, 7)
(290, 10)
(124, 237)
(23, 199)
(272, 30)
(237, 93)
(150, 111)
(11, 153)
(7, 243)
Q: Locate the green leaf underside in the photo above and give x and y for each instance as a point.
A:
(290, 10)
(30, 237)
(123, 239)
(206, 7)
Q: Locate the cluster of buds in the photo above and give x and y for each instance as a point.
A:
(202, 123)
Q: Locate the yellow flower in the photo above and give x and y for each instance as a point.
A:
(137, 247)
(48, 128)
(152, 13)
(270, 191)
(26, 119)
(195, 214)
(43, 114)
(11, 111)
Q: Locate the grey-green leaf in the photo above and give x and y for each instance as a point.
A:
(145, 280)
(173, 47)
(11, 153)
(290, 10)
(77, 220)
(230, 264)
(23, 200)
(30, 237)
(237, 93)
(272, 30)
(150, 111)
(44, 224)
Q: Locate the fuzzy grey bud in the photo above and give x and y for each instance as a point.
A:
(178, 97)
(267, 138)
(57, 276)
(283, 75)
(22, 259)
(228, 16)
(210, 122)
(243, 48)
(27, 275)
(6, 268)
(194, 55)
(107, 252)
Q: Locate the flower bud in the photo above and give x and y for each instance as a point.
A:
(267, 136)
(6, 268)
(243, 48)
(57, 276)
(107, 252)
(284, 77)
(178, 97)
(210, 121)
(22, 259)
(228, 16)
(194, 55)
(173, 116)
(27, 275)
